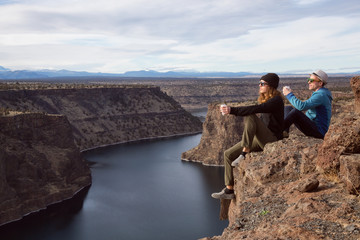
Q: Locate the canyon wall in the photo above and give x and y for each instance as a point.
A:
(219, 133)
(196, 93)
(108, 115)
(39, 164)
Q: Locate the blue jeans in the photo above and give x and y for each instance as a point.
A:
(301, 121)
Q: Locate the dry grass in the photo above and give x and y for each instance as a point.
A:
(332, 176)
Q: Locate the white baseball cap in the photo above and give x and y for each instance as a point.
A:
(321, 75)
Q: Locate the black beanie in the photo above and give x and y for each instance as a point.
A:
(272, 79)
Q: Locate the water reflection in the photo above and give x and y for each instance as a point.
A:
(56, 216)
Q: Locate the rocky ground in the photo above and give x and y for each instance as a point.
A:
(282, 195)
(301, 187)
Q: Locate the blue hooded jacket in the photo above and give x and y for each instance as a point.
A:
(318, 108)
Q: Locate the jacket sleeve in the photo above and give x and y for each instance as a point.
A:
(266, 107)
(314, 101)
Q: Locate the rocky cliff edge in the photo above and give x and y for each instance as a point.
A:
(301, 187)
(39, 164)
(105, 115)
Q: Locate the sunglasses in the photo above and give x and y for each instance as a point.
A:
(309, 80)
(263, 84)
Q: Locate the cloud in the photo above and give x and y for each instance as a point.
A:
(206, 35)
(308, 2)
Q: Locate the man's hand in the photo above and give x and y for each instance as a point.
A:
(286, 90)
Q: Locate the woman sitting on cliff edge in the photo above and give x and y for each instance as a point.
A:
(257, 131)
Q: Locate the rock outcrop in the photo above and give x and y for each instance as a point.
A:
(301, 187)
(39, 164)
(342, 138)
(281, 195)
(355, 85)
(219, 133)
(108, 115)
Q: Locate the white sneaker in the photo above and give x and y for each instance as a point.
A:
(236, 162)
(224, 194)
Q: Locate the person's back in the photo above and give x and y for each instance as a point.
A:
(321, 114)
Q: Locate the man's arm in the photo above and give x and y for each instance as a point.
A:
(315, 100)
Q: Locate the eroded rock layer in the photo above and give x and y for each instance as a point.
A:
(39, 164)
(107, 115)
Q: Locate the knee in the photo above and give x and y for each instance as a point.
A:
(227, 154)
(292, 112)
(249, 119)
(287, 110)
(230, 155)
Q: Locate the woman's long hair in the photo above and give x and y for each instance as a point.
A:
(263, 97)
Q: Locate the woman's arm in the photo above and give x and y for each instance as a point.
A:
(270, 106)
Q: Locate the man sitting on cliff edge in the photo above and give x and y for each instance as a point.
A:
(315, 122)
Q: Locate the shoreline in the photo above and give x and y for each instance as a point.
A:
(88, 186)
(140, 140)
(46, 207)
(204, 164)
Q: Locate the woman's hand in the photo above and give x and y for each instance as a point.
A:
(224, 109)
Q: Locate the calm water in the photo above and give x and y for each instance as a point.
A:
(139, 191)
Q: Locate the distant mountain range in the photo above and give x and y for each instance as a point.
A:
(6, 73)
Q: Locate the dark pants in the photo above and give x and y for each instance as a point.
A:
(301, 121)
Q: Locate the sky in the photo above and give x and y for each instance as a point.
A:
(116, 36)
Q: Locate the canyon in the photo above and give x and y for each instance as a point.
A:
(196, 93)
(43, 131)
(104, 115)
(97, 114)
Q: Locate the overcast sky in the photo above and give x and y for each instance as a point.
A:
(116, 36)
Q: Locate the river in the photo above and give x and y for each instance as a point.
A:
(140, 191)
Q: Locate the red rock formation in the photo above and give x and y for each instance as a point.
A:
(39, 164)
(355, 85)
(281, 195)
(337, 154)
(342, 138)
(350, 172)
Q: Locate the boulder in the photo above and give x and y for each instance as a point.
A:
(343, 137)
(350, 172)
(355, 85)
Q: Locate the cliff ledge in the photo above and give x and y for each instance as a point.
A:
(301, 187)
(39, 164)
